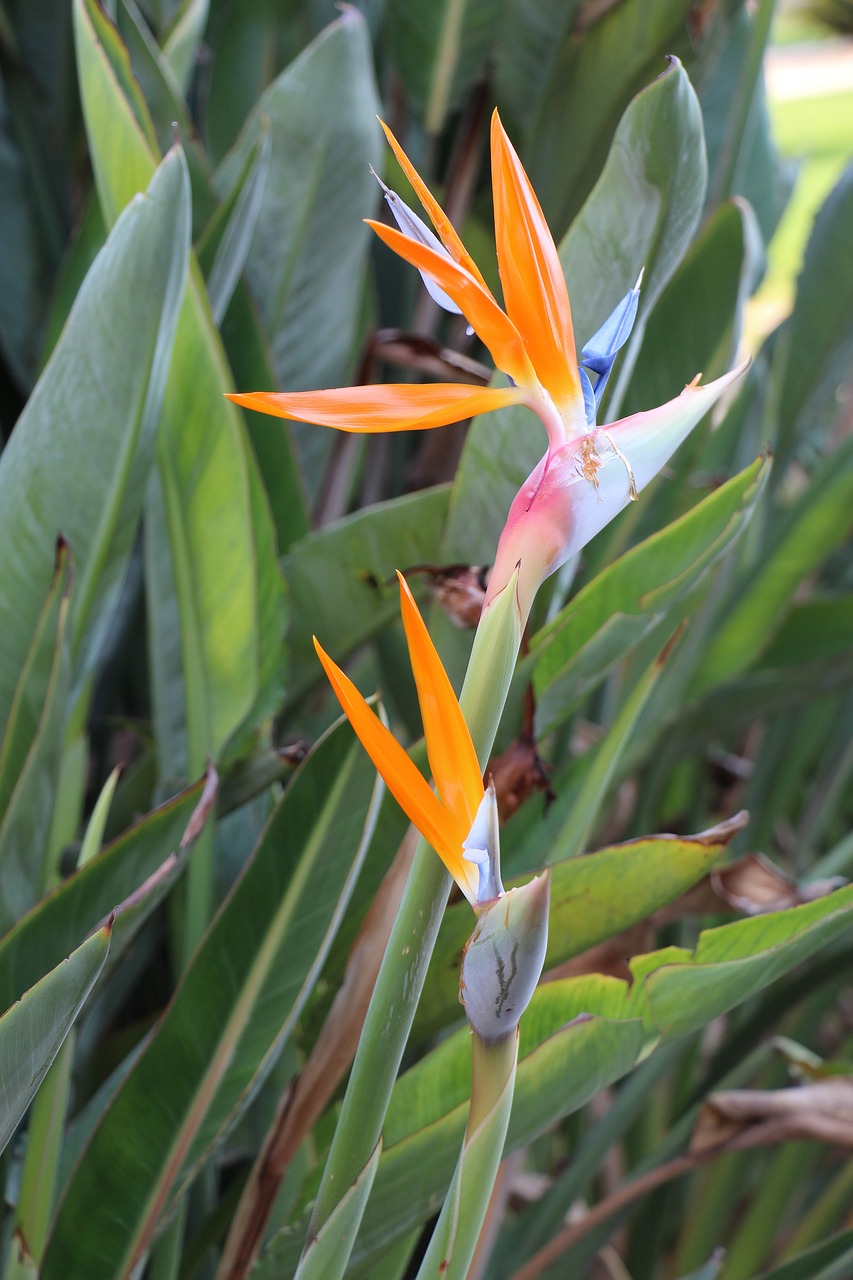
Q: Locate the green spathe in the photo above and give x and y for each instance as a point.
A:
(504, 957)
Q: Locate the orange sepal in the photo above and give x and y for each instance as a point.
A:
(531, 275)
(474, 300)
(452, 758)
(398, 406)
(403, 779)
(446, 231)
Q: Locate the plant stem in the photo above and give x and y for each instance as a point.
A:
(410, 944)
(493, 1064)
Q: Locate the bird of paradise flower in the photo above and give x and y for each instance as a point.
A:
(588, 472)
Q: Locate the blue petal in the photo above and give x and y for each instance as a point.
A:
(590, 402)
(600, 352)
(416, 229)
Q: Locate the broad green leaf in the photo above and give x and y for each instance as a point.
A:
(78, 904)
(441, 48)
(642, 212)
(589, 87)
(163, 111)
(183, 39)
(682, 338)
(36, 679)
(742, 157)
(244, 60)
(308, 253)
(215, 559)
(817, 524)
(90, 235)
(737, 960)
(529, 43)
(32, 1031)
(229, 1018)
(586, 907)
(341, 580)
(80, 454)
(31, 752)
(224, 245)
(820, 332)
(611, 614)
(676, 991)
(328, 1253)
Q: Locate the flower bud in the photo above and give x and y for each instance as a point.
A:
(504, 957)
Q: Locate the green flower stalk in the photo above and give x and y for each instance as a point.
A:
(504, 956)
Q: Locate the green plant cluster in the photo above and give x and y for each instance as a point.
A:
(198, 867)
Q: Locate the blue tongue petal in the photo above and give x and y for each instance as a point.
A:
(416, 229)
(600, 352)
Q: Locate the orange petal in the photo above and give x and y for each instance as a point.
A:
(446, 231)
(391, 407)
(473, 299)
(452, 757)
(402, 777)
(531, 275)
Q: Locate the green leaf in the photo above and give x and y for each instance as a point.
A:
(32, 1031)
(341, 579)
(820, 331)
(529, 43)
(642, 213)
(683, 338)
(441, 49)
(327, 1255)
(31, 752)
(163, 113)
(93, 837)
(81, 451)
(230, 1017)
(215, 557)
(224, 245)
(586, 907)
(308, 253)
(817, 523)
(735, 961)
(742, 157)
(589, 87)
(78, 904)
(677, 991)
(183, 39)
(611, 614)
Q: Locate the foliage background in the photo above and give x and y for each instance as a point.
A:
(165, 562)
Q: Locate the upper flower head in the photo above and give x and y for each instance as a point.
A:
(531, 339)
(588, 472)
(460, 822)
